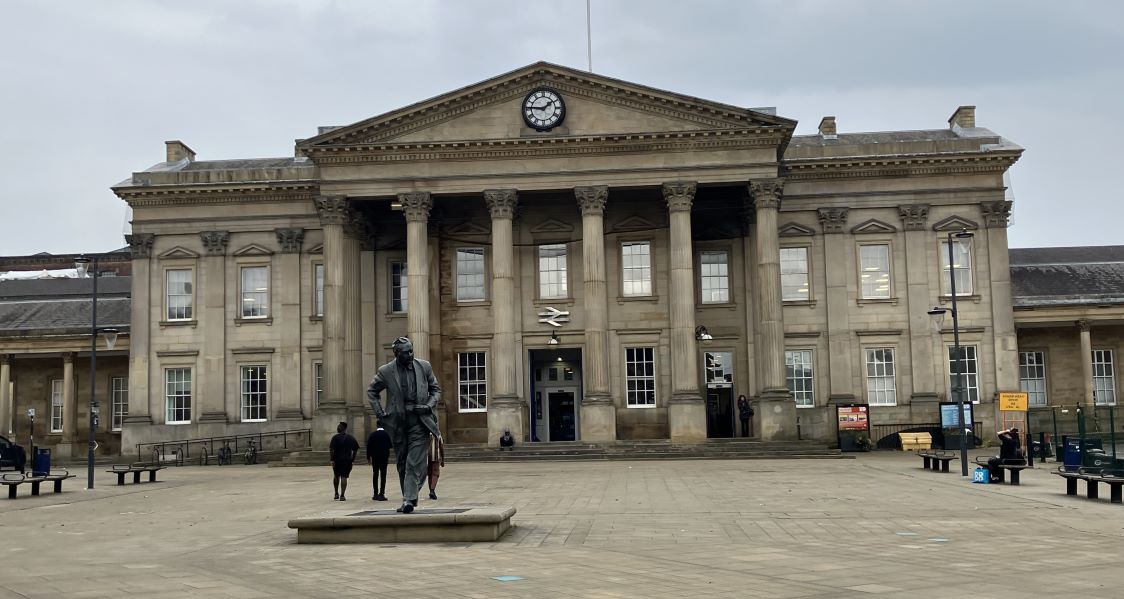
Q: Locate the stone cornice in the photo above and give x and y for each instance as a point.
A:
(140, 244)
(174, 195)
(679, 195)
(501, 202)
(833, 220)
(851, 167)
(591, 200)
(290, 240)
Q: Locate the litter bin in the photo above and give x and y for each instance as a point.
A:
(1072, 454)
(42, 462)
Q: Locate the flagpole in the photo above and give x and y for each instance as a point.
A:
(588, 37)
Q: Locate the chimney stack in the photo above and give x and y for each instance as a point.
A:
(177, 150)
(963, 118)
(827, 128)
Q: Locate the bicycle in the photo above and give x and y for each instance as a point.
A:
(251, 456)
(224, 455)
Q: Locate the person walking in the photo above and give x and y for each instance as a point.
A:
(342, 448)
(436, 463)
(745, 412)
(378, 454)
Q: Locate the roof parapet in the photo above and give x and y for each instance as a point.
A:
(177, 150)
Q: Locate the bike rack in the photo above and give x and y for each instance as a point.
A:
(208, 446)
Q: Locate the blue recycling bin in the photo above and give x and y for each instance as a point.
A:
(42, 462)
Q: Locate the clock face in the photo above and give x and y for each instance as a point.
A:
(543, 109)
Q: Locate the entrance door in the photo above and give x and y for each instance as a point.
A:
(719, 412)
(562, 423)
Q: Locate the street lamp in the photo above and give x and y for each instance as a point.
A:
(83, 264)
(553, 339)
(702, 334)
(937, 316)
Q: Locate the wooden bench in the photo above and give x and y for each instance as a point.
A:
(1092, 481)
(911, 441)
(135, 470)
(937, 461)
(1014, 469)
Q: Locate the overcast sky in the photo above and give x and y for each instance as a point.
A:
(90, 90)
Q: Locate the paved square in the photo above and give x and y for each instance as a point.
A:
(876, 525)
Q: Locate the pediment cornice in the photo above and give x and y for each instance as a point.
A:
(873, 226)
(794, 229)
(955, 223)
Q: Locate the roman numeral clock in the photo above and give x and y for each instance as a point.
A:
(543, 109)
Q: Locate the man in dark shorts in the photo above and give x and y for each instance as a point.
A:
(342, 449)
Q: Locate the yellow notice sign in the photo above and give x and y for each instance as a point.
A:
(1012, 401)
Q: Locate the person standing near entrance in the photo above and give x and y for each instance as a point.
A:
(745, 412)
(412, 393)
(342, 448)
(378, 454)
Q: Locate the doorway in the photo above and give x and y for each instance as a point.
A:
(720, 416)
(562, 421)
(556, 392)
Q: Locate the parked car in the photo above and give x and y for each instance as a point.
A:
(12, 455)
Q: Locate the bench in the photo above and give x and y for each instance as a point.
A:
(937, 461)
(135, 470)
(1092, 490)
(1014, 469)
(911, 441)
(15, 479)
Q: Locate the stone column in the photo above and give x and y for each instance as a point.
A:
(918, 298)
(212, 399)
(505, 410)
(686, 412)
(334, 212)
(837, 247)
(368, 307)
(1004, 340)
(598, 413)
(354, 390)
(777, 413)
(287, 381)
(1087, 361)
(416, 206)
(5, 397)
(140, 319)
(69, 404)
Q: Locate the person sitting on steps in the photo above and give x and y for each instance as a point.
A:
(507, 441)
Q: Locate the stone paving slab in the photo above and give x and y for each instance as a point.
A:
(877, 526)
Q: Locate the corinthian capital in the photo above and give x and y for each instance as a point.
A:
(997, 214)
(140, 244)
(416, 205)
(592, 199)
(833, 219)
(290, 240)
(766, 193)
(501, 202)
(679, 195)
(914, 216)
(214, 242)
(333, 210)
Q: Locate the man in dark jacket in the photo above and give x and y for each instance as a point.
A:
(378, 454)
(1009, 453)
(342, 449)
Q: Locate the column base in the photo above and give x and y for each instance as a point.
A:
(598, 419)
(686, 418)
(324, 424)
(776, 413)
(505, 412)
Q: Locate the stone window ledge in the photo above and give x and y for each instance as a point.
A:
(809, 303)
(316, 318)
(893, 301)
(638, 298)
(241, 321)
(179, 323)
(558, 301)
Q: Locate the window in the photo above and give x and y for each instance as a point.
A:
(56, 405)
(1104, 378)
(969, 370)
(552, 271)
(719, 369)
(636, 268)
(470, 274)
(255, 389)
(874, 271)
(177, 395)
(399, 289)
(472, 382)
(881, 382)
(179, 294)
(255, 292)
(798, 375)
(318, 381)
(961, 267)
(640, 376)
(794, 274)
(1032, 376)
(119, 390)
(318, 284)
(714, 274)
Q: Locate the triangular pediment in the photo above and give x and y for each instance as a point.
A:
(178, 252)
(873, 226)
(253, 250)
(468, 228)
(794, 230)
(955, 223)
(552, 226)
(316, 249)
(634, 223)
(595, 106)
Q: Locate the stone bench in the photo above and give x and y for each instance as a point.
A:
(389, 526)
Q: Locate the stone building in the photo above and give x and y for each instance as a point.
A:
(580, 258)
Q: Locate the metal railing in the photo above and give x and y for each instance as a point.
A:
(885, 435)
(206, 449)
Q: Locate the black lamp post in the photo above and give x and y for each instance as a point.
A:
(937, 315)
(83, 264)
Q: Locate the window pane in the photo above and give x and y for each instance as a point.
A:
(255, 292)
(177, 385)
(640, 380)
(962, 267)
(969, 372)
(552, 271)
(874, 271)
(318, 302)
(798, 374)
(318, 377)
(636, 269)
(472, 382)
(794, 274)
(120, 395)
(399, 290)
(714, 277)
(56, 405)
(179, 294)
(1104, 378)
(881, 382)
(1032, 376)
(470, 274)
(254, 393)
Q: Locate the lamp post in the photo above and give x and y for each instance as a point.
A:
(83, 264)
(937, 316)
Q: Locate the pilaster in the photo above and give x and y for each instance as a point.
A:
(334, 211)
(686, 411)
(141, 401)
(416, 207)
(505, 410)
(5, 397)
(69, 400)
(288, 291)
(598, 412)
(355, 230)
(840, 348)
(212, 400)
(922, 340)
(1084, 328)
(1005, 340)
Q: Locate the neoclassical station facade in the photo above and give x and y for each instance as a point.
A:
(581, 258)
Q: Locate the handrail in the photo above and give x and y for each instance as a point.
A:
(159, 450)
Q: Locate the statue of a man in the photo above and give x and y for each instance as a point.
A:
(410, 417)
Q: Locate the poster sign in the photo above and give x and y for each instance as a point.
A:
(853, 418)
(948, 415)
(1012, 401)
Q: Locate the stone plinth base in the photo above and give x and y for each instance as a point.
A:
(388, 526)
(777, 414)
(598, 421)
(505, 413)
(687, 420)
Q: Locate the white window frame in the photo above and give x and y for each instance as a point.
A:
(399, 287)
(472, 382)
(804, 393)
(970, 370)
(636, 269)
(253, 304)
(463, 287)
(880, 383)
(318, 289)
(182, 406)
(871, 272)
(964, 284)
(184, 308)
(119, 398)
(714, 277)
(254, 401)
(640, 387)
(58, 405)
(1104, 377)
(317, 382)
(554, 280)
(790, 292)
(1032, 377)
